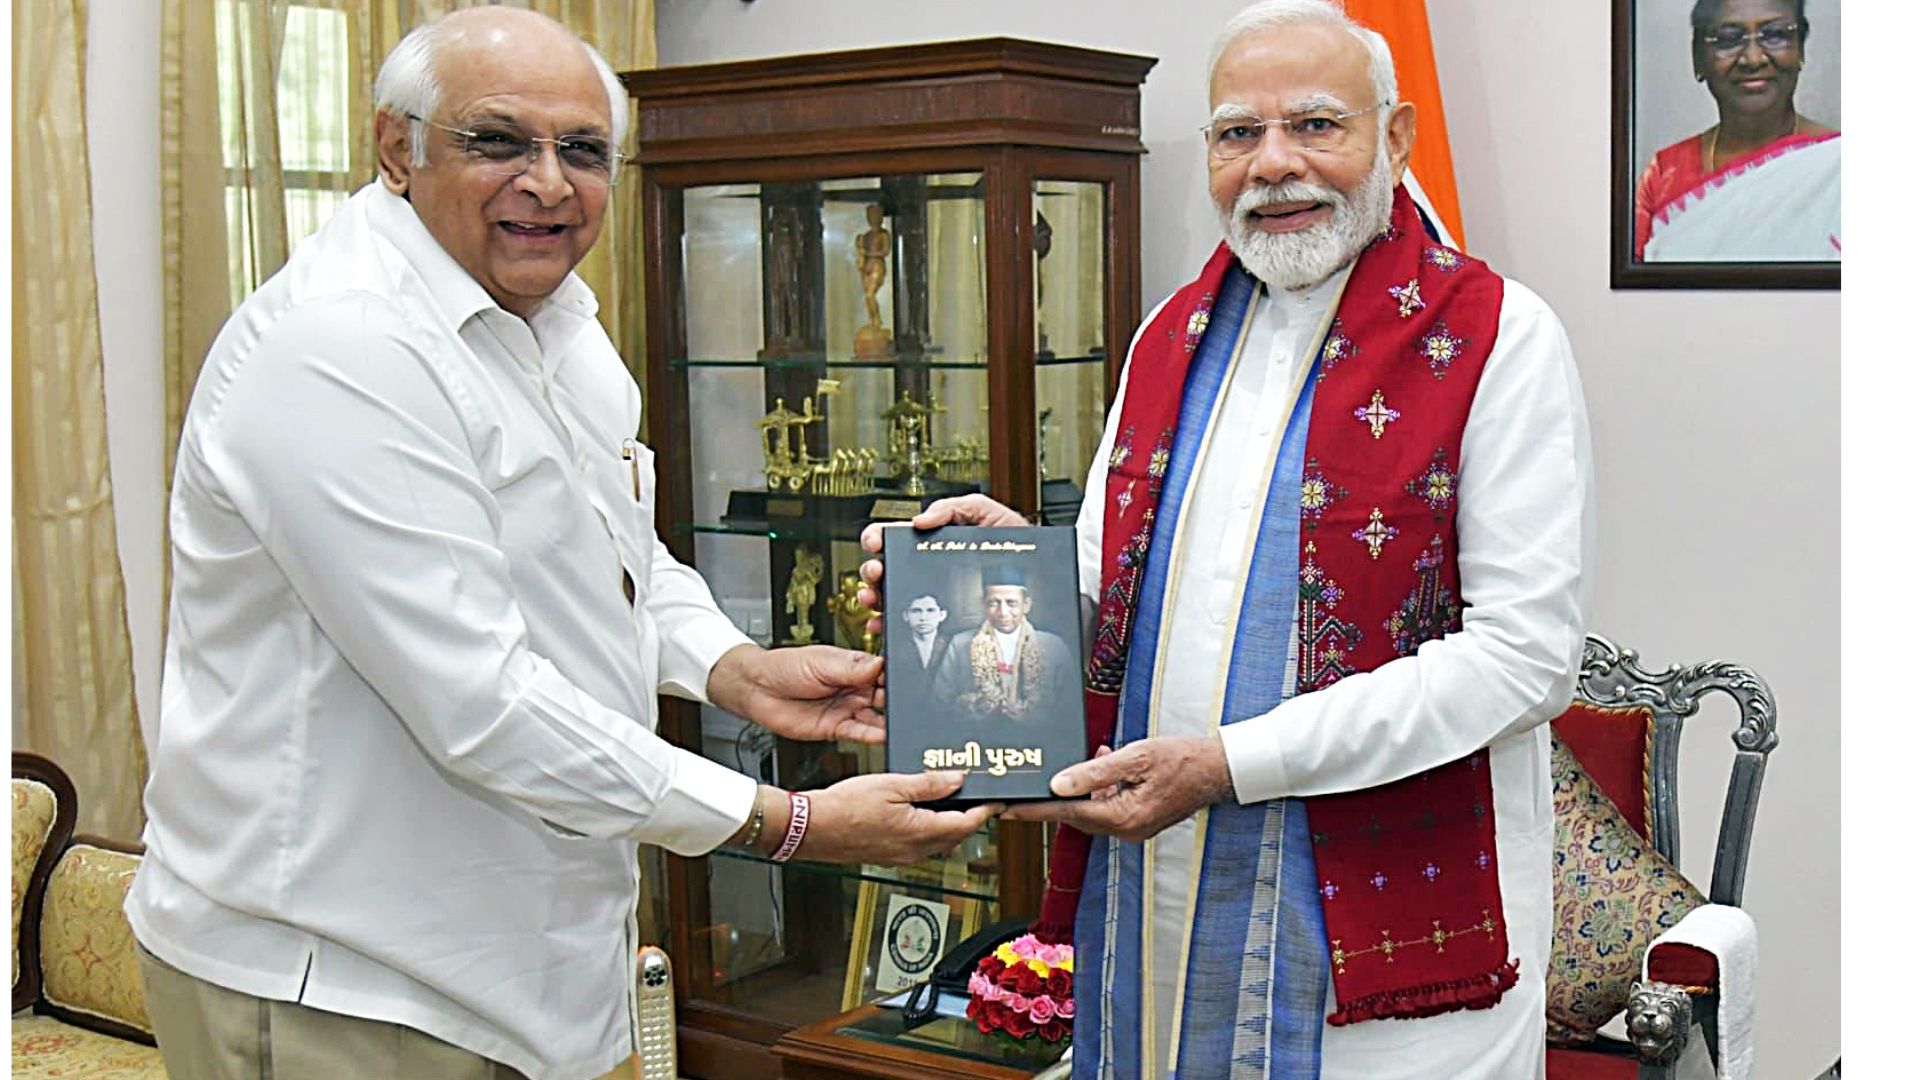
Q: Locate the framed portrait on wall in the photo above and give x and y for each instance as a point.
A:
(1726, 144)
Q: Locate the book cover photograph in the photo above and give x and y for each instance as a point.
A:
(983, 657)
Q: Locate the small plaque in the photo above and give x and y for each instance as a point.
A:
(895, 509)
(912, 941)
(787, 508)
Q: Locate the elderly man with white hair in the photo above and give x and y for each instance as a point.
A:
(1339, 551)
(420, 616)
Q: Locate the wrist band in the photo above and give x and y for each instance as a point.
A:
(754, 824)
(796, 826)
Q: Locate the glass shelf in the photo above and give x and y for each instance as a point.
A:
(919, 876)
(788, 363)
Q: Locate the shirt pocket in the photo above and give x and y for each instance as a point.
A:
(637, 460)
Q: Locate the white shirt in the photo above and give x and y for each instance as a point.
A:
(406, 742)
(1525, 530)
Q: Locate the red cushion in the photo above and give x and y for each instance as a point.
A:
(1589, 1065)
(1683, 965)
(1613, 743)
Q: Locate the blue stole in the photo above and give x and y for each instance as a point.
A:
(1256, 978)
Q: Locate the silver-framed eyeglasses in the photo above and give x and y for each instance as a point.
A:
(504, 149)
(1730, 41)
(1318, 130)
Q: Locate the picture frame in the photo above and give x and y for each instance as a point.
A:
(1676, 224)
(882, 959)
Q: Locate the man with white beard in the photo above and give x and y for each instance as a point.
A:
(1341, 570)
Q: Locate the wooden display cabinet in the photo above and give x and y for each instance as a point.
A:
(872, 277)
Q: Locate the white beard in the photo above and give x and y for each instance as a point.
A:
(1308, 257)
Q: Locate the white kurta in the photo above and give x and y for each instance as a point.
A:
(1526, 539)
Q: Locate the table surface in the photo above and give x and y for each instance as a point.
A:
(874, 1042)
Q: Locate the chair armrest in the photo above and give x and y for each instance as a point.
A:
(1659, 1021)
(1684, 965)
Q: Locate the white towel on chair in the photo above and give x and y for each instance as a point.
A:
(1727, 933)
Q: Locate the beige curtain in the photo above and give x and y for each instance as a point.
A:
(254, 153)
(72, 661)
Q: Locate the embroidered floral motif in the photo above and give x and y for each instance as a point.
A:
(1337, 348)
(1197, 324)
(1429, 611)
(1431, 873)
(1157, 463)
(1122, 448)
(1378, 879)
(1376, 533)
(1329, 890)
(1483, 860)
(1376, 414)
(1445, 260)
(1316, 494)
(1409, 297)
(1435, 486)
(1125, 498)
(1325, 637)
(1441, 348)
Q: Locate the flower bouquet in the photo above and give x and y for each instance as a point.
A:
(1024, 989)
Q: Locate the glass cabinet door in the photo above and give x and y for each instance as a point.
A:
(1070, 339)
(835, 371)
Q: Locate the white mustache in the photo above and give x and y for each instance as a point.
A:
(1293, 191)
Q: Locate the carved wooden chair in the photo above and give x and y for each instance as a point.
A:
(1624, 731)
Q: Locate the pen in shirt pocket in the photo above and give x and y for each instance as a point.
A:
(630, 453)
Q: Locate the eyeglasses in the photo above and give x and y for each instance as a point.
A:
(1318, 130)
(1731, 41)
(506, 151)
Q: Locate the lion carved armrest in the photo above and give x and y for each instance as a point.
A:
(1659, 1018)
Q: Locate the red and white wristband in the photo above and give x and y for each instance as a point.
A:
(796, 826)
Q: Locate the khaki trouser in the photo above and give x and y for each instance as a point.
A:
(208, 1032)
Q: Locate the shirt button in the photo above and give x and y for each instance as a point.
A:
(1246, 501)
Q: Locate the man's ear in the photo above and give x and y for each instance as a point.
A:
(393, 139)
(1400, 129)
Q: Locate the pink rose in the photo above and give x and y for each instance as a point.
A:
(977, 985)
(993, 992)
(1019, 1003)
(1065, 1011)
(1042, 1010)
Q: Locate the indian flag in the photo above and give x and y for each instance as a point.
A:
(1430, 174)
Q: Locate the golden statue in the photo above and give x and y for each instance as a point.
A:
(852, 615)
(907, 450)
(802, 586)
(872, 342)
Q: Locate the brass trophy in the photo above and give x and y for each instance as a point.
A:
(852, 615)
(783, 442)
(872, 341)
(907, 444)
(802, 586)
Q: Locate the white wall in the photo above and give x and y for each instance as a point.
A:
(123, 145)
(1715, 414)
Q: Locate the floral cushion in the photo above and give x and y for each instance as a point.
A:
(1612, 895)
(86, 946)
(33, 811)
(46, 1049)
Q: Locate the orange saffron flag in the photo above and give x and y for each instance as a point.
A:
(1404, 24)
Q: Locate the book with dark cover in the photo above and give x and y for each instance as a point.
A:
(984, 663)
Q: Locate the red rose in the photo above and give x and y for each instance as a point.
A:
(991, 967)
(1017, 1025)
(1060, 983)
(1053, 1031)
(1027, 981)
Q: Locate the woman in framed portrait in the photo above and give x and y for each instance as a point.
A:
(1762, 184)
